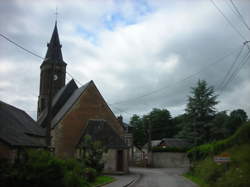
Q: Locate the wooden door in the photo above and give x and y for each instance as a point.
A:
(119, 158)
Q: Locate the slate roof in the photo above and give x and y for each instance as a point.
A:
(153, 143)
(69, 103)
(100, 130)
(174, 142)
(17, 128)
(54, 53)
(58, 101)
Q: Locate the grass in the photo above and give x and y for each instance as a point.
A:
(207, 173)
(196, 180)
(102, 180)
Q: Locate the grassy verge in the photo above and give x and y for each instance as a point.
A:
(101, 180)
(196, 180)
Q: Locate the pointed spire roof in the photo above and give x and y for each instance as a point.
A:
(54, 53)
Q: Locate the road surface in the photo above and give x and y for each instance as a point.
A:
(161, 177)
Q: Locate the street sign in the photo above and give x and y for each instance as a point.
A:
(222, 158)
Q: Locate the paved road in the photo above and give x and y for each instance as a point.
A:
(162, 177)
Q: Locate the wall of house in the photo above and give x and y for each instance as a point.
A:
(6, 152)
(90, 105)
(110, 159)
(170, 160)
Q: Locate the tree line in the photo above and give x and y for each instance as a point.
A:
(201, 123)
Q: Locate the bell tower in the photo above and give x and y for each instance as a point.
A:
(53, 67)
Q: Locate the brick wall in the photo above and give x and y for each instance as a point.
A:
(90, 105)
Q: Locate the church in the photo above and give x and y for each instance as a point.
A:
(68, 113)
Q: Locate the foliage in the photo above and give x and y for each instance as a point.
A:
(169, 149)
(234, 174)
(139, 131)
(40, 168)
(237, 118)
(90, 174)
(195, 179)
(101, 180)
(241, 136)
(93, 153)
(158, 122)
(200, 110)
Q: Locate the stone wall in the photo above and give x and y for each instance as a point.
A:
(170, 160)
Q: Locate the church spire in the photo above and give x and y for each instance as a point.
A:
(52, 66)
(54, 53)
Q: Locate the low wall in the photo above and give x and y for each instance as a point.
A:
(170, 160)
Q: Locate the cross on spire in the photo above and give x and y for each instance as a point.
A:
(56, 13)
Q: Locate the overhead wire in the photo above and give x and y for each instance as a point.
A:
(40, 57)
(228, 20)
(231, 68)
(219, 60)
(239, 14)
(237, 70)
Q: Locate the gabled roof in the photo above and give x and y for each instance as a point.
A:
(100, 130)
(69, 103)
(54, 53)
(58, 101)
(17, 128)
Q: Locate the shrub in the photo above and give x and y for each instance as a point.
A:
(71, 179)
(241, 136)
(90, 174)
(41, 168)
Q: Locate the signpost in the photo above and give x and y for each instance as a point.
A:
(222, 158)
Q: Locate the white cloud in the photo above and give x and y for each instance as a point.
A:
(154, 50)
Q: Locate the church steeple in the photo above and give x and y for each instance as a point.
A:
(52, 64)
(54, 47)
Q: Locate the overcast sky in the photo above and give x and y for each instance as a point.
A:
(141, 54)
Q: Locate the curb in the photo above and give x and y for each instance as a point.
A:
(138, 177)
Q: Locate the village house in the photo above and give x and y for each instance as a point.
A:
(68, 112)
(18, 131)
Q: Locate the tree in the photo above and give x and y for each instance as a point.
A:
(139, 135)
(237, 118)
(93, 153)
(200, 110)
(161, 124)
(158, 122)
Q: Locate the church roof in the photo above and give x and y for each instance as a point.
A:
(17, 128)
(54, 53)
(58, 101)
(69, 103)
(100, 130)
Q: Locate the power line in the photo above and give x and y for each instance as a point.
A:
(40, 57)
(231, 67)
(21, 47)
(74, 78)
(228, 20)
(32, 53)
(237, 70)
(184, 79)
(240, 15)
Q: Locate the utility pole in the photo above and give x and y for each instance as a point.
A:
(149, 132)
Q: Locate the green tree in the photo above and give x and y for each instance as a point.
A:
(161, 124)
(200, 111)
(237, 118)
(139, 135)
(93, 153)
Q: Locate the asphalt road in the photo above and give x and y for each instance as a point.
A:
(162, 177)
